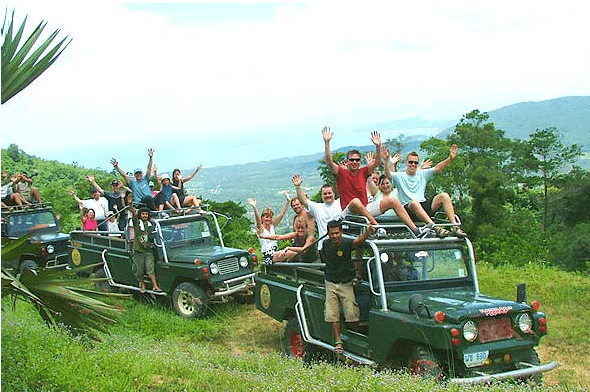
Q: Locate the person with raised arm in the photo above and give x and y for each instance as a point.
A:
(143, 257)
(178, 181)
(140, 183)
(302, 248)
(340, 276)
(265, 226)
(411, 185)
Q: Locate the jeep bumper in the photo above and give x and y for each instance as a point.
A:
(518, 373)
(234, 285)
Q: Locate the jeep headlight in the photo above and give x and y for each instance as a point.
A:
(524, 322)
(214, 268)
(469, 331)
(243, 261)
(50, 249)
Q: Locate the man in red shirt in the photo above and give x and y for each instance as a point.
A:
(351, 181)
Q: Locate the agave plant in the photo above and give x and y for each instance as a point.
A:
(19, 66)
(59, 305)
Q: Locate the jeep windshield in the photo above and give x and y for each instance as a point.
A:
(23, 223)
(425, 264)
(179, 233)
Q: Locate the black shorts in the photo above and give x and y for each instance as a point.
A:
(427, 205)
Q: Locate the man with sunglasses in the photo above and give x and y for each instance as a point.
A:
(351, 180)
(411, 186)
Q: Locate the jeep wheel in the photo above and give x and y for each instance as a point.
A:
(293, 343)
(423, 363)
(30, 265)
(102, 286)
(534, 380)
(189, 300)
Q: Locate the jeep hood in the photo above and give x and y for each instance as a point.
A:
(50, 237)
(206, 253)
(456, 304)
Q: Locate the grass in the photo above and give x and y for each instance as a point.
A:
(237, 348)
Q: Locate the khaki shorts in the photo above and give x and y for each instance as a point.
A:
(143, 264)
(340, 293)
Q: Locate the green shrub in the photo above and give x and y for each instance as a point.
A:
(518, 240)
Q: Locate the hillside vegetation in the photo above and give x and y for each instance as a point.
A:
(237, 348)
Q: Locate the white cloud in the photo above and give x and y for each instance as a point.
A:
(136, 75)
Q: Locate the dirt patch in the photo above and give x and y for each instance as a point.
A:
(573, 371)
(253, 332)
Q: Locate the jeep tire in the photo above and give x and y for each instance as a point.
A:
(28, 264)
(293, 343)
(102, 286)
(423, 363)
(189, 300)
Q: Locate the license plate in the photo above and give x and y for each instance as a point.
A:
(475, 359)
(495, 329)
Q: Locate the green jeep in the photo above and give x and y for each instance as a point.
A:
(420, 308)
(193, 266)
(47, 246)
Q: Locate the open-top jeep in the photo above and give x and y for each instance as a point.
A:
(420, 308)
(193, 266)
(47, 246)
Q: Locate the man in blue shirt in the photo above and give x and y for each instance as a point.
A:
(411, 186)
(140, 184)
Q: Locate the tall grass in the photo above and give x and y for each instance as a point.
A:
(237, 348)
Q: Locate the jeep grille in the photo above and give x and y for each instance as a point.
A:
(493, 329)
(227, 266)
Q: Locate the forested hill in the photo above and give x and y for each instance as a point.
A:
(571, 115)
(263, 180)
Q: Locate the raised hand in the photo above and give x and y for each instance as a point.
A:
(396, 158)
(296, 179)
(327, 134)
(427, 164)
(114, 162)
(71, 192)
(370, 157)
(252, 202)
(376, 138)
(385, 154)
(151, 152)
(453, 152)
(286, 193)
(90, 177)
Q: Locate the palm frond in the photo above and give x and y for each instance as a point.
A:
(20, 67)
(58, 304)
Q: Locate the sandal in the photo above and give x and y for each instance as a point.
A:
(441, 232)
(457, 231)
(142, 287)
(338, 347)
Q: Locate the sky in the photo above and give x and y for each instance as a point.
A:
(218, 84)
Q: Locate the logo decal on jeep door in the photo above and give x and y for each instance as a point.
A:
(76, 257)
(265, 296)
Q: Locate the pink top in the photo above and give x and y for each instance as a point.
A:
(89, 224)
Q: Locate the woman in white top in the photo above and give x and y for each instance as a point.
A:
(265, 226)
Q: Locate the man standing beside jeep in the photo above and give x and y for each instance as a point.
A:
(143, 258)
(340, 274)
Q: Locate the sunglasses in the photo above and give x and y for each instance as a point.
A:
(354, 159)
(412, 162)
